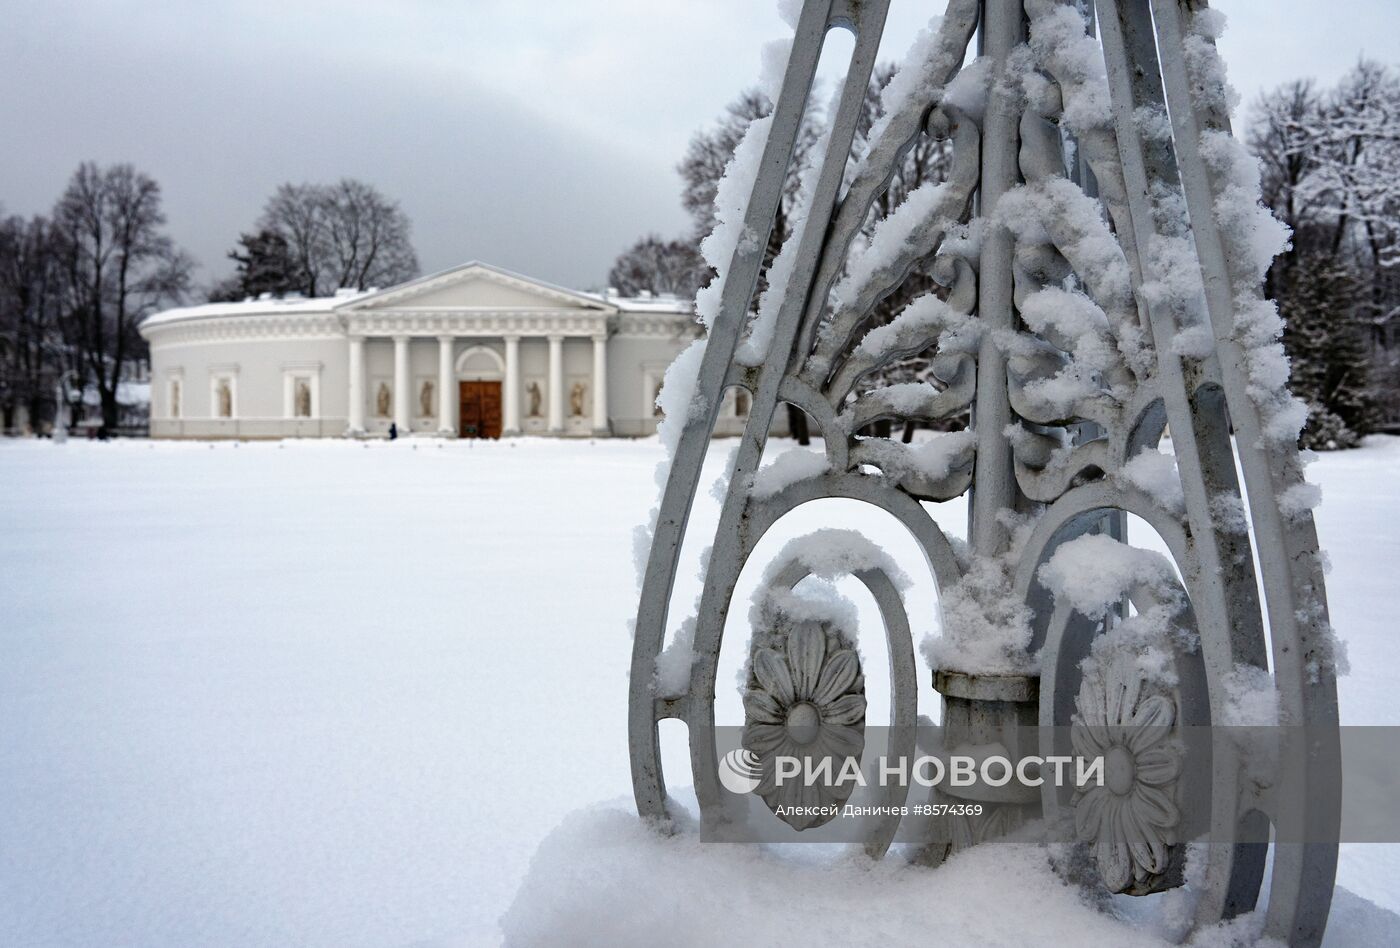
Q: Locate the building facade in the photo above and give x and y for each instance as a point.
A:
(475, 351)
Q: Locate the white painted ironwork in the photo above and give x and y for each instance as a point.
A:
(1136, 229)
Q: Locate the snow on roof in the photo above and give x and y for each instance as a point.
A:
(296, 305)
(285, 306)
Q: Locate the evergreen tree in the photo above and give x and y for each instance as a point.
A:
(265, 265)
(1326, 342)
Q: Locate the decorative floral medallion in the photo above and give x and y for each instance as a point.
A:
(1129, 820)
(806, 699)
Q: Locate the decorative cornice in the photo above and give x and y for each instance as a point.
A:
(425, 323)
(476, 322)
(475, 271)
(658, 325)
(251, 328)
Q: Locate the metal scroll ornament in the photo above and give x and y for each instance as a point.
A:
(1091, 273)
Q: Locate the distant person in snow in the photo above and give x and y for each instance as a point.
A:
(393, 431)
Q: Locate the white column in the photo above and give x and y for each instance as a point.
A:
(600, 385)
(403, 399)
(356, 414)
(556, 383)
(447, 422)
(512, 386)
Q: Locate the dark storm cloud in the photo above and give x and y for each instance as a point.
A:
(540, 136)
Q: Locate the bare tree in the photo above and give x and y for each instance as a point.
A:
(31, 345)
(117, 267)
(654, 265)
(343, 235)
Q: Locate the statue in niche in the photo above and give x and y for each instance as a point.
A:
(576, 396)
(225, 393)
(381, 401)
(303, 399)
(655, 402)
(175, 399)
(425, 399)
(741, 403)
(535, 395)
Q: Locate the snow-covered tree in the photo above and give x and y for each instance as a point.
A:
(1326, 342)
(1330, 170)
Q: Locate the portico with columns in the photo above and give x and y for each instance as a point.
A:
(517, 356)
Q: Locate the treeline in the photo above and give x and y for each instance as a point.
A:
(1330, 167)
(1330, 170)
(75, 283)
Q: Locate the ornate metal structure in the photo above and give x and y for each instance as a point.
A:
(1098, 248)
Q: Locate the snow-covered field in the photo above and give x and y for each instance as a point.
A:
(326, 693)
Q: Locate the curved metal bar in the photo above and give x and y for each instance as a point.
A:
(817, 18)
(954, 198)
(1287, 546)
(723, 574)
(874, 173)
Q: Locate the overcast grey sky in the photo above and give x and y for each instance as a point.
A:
(540, 135)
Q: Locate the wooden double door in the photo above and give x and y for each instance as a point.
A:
(480, 409)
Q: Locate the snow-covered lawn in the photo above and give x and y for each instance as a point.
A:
(324, 693)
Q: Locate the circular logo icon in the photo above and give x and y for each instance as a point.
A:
(739, 771)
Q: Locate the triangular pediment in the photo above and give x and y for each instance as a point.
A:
(477, 286)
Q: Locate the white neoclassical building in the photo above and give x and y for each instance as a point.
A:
(475, 351)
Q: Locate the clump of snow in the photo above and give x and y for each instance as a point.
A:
(923, 320)
(1093, 573)
(1298, 500)
(931, 460)
(1252, 236)
(1083, 235)
(830, 553)
(680, 399)
(673, 663)
(967, 92)
(790, 11)
(986, 629)
(1074, 323)
(964, 240)
(926, 59)
(1194, 342)
(1155, 474)
(889, 238)
(1058, 208)
(1204, 63)
(1251, 700)
(753, 349)
(1256, 236)
(1062, 47)
(1228, 513)
(773, 65)
(812, 600)
(1148, 641)
(1252, 705)
(793, 465)
(731, 205)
